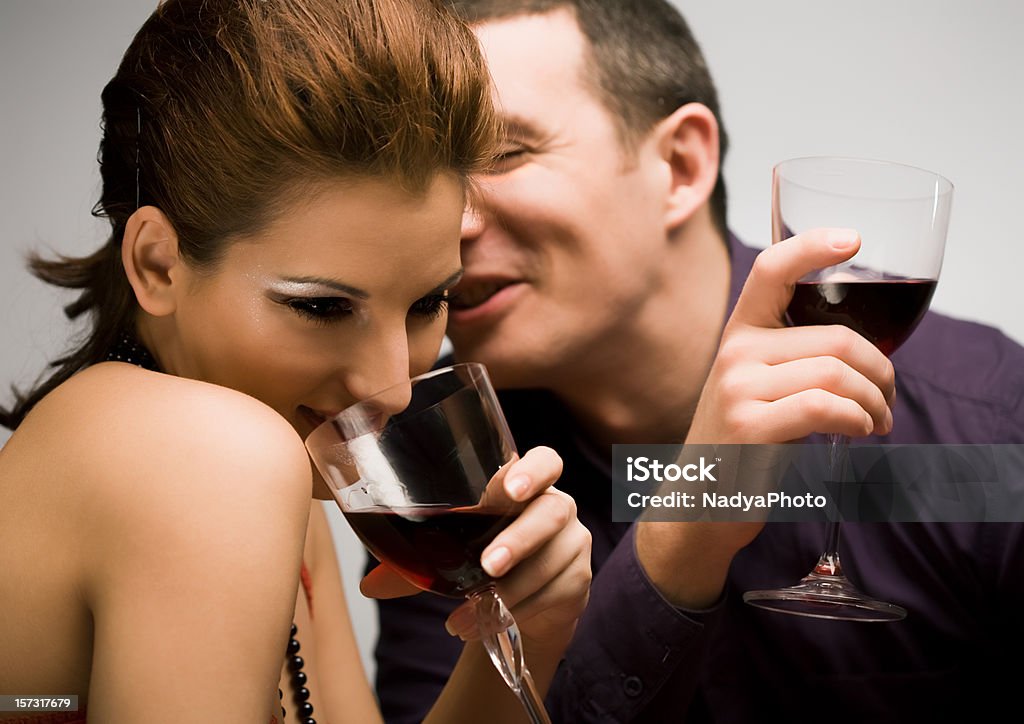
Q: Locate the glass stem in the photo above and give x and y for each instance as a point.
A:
(501, 638)
(838, 456)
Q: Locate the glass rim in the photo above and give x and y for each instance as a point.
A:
(477, 370)
(946, 185)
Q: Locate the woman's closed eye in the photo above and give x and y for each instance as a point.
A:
(431, 306)
(322, 310)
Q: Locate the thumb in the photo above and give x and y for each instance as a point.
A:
(769, 288)
(385, 582)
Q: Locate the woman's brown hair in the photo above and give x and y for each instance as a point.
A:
(222, 111)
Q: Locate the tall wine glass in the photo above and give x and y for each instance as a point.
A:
(418, 471)
(882, 293)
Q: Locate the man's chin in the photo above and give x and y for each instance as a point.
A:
(507, 367)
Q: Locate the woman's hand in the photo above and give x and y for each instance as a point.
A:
(541, 560)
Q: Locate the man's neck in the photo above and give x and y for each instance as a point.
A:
(643, 386)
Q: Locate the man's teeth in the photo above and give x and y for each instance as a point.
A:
(478, 294)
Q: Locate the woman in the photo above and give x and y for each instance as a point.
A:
(284, 181)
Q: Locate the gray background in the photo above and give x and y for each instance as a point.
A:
(933, 84)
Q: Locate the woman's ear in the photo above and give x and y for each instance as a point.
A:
(149, 253)
(688, 141)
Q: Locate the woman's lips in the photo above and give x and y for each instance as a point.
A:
(314, 417)
(369, 420)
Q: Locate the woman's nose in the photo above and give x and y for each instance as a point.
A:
(390, 401)
(380, 377)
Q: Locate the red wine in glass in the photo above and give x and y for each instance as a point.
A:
(884, 311)
(901, 214)
(418, 470)
(435, 548)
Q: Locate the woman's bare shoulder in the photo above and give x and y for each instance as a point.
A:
(141, 455)
(157, 504)
(186, 506)
(117, 389)
(117, 413)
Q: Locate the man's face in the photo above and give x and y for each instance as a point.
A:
(567, 237)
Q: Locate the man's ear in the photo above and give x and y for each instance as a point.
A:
(150, 256)
(688, 141)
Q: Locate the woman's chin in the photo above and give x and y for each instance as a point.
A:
(320, 489)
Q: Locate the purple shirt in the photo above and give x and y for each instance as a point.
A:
(635, 657)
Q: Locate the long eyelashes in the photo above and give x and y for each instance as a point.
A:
(433, 306)
(322, 310)
(329, 310)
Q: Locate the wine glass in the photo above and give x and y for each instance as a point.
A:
(418, 471)
(901, 213)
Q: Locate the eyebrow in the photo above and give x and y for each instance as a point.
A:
(519, 127)
(326, 283)
(360, 293)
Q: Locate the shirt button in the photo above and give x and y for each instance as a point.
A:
(633, 686)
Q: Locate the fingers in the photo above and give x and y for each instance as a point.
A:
(562, 600)
(759, 403)
(833, 377)
(816, 410)
(774, 364)
(462, 622)
(558, 576)
(384, 582)
(541, 520)
(776, 347)
(771, 383)
(532, 474)
(554, 581)
(568, 594)
(769, 287)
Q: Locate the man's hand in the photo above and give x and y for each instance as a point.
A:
(770, 384)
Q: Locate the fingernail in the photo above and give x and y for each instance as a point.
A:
(888, 420)
(517, 486)
(461, 620)
(843, 241)
(473, 634)
(496, 562)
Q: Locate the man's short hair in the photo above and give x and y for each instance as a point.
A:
(644, 63)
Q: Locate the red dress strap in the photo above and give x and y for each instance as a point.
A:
(307, 586)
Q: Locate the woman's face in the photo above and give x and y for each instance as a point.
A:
(342, 296)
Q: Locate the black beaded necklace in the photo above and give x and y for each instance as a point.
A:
(300, 694)
(129, 349)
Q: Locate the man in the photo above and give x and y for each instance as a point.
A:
(602, 290)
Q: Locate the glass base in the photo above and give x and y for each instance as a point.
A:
(829, 596)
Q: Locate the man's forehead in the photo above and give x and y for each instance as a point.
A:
(533, 54)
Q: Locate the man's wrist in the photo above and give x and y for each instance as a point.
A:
(686, 562)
